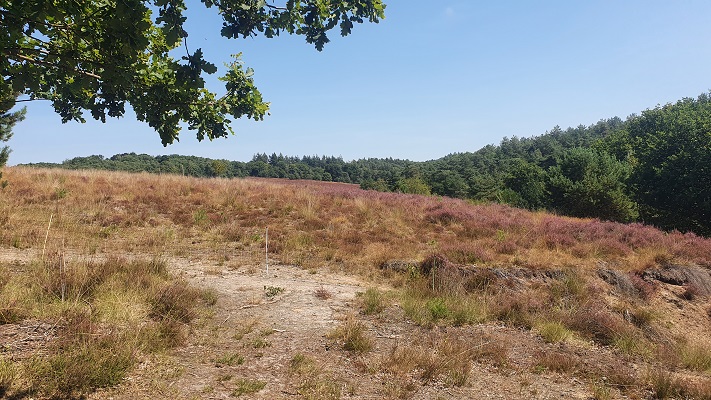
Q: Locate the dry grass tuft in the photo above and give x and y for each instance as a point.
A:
(372, 301)
(314, 382)
(106, 315)
(322, 293)
(440, 357)
(556, 361)
(352, 336)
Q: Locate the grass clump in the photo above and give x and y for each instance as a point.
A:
(438, 308)
(373, 301)
(352, 336)
(556, 361)
(696, 356)
(247, 386)
(11, 313)
(173, 301)
(422, 308)
(8, 372)
(664, 384)
(442, 357)
(315, 383)
(107, 315)
(80, 367)
(600, 391)
(553, 331)
(230, 360)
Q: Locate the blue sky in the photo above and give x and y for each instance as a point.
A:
(433, 78)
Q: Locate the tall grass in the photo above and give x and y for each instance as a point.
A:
(106, 313)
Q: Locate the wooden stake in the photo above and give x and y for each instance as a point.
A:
(46, 235)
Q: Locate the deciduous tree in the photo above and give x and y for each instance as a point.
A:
(99, 55)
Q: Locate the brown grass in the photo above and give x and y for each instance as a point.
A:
(329, 224)
(437, 357)
(105, 315)
(466, 264)
(352, 335)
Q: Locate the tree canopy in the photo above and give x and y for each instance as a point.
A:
(99, 55)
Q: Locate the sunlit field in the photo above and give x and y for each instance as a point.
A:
(102, 245)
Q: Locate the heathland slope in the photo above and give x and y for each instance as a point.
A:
(653, 167)
(368, 294)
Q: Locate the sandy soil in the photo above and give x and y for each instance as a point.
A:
(250, 335)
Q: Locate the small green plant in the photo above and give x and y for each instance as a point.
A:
(200, 216)
(438, 308)
(59, 193)
(273, 291)
(230, 360)
(373, 301)
(247, 386)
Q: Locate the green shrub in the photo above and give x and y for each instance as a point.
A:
(373, 301)
(438, 308)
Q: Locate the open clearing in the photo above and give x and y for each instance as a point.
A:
(368, 295)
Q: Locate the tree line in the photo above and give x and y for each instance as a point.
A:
(653, 167)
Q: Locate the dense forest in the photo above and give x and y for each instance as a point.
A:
(654, 167)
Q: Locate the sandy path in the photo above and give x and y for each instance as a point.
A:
(252, 336)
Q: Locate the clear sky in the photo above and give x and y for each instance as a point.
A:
(435, 77)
